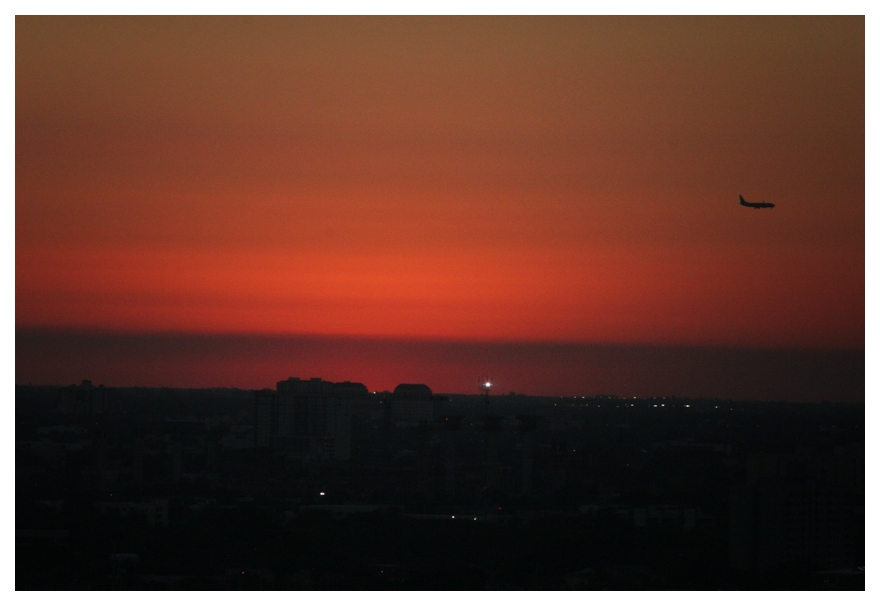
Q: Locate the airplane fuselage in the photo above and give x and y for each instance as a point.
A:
(761, 204)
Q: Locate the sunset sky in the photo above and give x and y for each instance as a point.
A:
(438, 185)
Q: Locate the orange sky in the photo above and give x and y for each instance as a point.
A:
(512, 179)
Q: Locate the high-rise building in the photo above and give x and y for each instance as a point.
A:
(806, 510)
(412, 404)
(308, 418)
(84, 398)
(265, 418)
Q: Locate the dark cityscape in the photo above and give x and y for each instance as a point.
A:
(327, 486)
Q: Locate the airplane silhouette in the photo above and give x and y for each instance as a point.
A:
(761, 204)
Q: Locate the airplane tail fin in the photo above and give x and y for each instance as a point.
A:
(741, 201)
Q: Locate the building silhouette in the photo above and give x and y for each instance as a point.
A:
(799, 510)
(84, 398)
(412, 404)
(311, 419)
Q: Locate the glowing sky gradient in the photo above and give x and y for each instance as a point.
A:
(569, 180)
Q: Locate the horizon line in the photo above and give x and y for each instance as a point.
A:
(609, 397)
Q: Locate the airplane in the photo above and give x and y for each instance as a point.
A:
(761, 204)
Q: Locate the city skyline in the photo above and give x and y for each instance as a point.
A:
(257, 362)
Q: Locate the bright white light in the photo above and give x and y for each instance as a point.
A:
(488, 385)
(321, 493)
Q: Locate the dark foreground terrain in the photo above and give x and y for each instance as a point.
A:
(167, 489)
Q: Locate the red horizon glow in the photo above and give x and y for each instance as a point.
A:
(51, 357)
(566, 180)
(621, 299)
